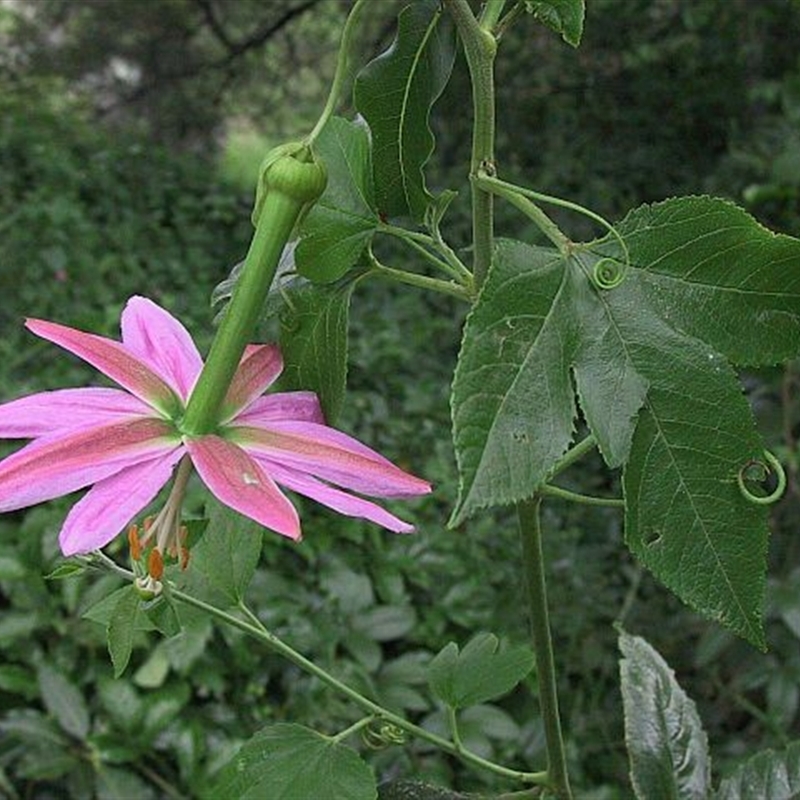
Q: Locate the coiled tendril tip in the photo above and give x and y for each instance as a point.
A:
(608, 273)
(756, 470)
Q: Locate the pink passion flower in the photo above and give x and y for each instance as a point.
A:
(126, 444)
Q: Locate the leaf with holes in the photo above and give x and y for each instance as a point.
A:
(649, 362)
(395, 93)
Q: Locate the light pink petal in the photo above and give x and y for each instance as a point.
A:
(328, 454)
(112, 359)
(239, 482)
(160, 341)
(65, 410)
(296, 406)
(112, 503)
(260, 366)
(339, 501)
(56, 465)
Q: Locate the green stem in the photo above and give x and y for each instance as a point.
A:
(253, 626)
(584, 499)
(449, 261)
(573, 454)
(342, 735)
(279, 214)
(529, 209)
(420, 281)
(533, 560)
(480, 48)
(492, 10)
(339, 76)
(512, 188)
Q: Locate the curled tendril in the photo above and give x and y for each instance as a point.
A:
(608, 273)
(770, 464)
(385, 735)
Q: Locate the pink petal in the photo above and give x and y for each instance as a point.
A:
(328, 454)
(56, 465)
(297, 406)
(339, 501)
(240, 483)
(113, 502)
(258, 369)
(65, 410)
(160, 341)
(112, 359)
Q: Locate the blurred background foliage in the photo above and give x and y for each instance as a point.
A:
(130, 136)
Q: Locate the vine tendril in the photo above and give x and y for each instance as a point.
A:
(608, 273)
(772, 465)
(385, 735)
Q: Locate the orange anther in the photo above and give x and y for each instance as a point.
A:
(133, 541)
(155, 564)
(184, 557)
(148, 521)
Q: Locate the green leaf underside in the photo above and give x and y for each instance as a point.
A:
(563, 16)
(667, 745)
(286, 762)
(479, 672)
(226, 556)
(123, 627)
(395, 93)
(313, 339)
(771, 774)
(659, 399)
(341, 224)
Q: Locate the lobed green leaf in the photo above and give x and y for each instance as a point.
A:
(703, 285)
(285, 762)
(479, 672)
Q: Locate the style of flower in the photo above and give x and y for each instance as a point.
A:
(126, 444)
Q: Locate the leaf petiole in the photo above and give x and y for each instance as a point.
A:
(549, 490)
(420, 281)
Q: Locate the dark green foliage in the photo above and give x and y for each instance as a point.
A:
(120, 216)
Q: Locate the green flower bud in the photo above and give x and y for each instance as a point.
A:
(292, 170)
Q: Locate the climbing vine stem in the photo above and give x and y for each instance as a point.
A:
(529, 517)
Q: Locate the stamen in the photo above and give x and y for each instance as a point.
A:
(155, 564)
(133, 541)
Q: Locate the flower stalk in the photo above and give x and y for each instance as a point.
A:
(288, 185)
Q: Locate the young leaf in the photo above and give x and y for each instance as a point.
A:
(314, 342)
(395, 93)
(63, 700)
(227, 555)
(667, 745)
(285, 762)
(479, 672)
(342, 222)
(771, 774)
(563, 16)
